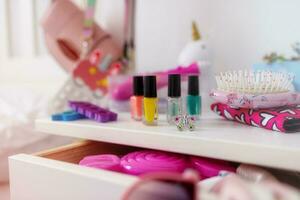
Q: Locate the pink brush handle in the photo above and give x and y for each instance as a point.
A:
(210, 167)
(124, 91)
(141, 162)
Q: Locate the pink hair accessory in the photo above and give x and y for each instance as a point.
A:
(141, 162)
(211, 167)
(256, 101)
(63, 25)
(104, 161)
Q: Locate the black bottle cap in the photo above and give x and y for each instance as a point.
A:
(193, 85)
(150, 86)
(174, 85)
(138, 86)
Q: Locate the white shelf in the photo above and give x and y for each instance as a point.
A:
(214, 137)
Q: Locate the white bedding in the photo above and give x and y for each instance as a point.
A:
(18, 110)
(4, 191)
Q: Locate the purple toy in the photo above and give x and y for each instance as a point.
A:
(145, 161)
(93, 112)
(67, 116)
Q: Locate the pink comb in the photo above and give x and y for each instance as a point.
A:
(141, 162)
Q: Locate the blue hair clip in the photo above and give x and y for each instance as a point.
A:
(67, 116)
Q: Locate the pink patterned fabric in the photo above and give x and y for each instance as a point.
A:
(282, 119)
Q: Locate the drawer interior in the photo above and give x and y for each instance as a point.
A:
(73, 153)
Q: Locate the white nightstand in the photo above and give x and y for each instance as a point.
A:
(53, 174)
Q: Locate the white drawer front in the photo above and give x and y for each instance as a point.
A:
(40, 178)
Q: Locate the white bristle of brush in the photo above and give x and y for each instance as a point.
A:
(254, 174)
(249, 82)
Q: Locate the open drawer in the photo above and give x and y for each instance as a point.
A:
(53, 174)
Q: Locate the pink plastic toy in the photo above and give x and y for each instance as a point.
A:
(124, 91)
(91, 76)
(104, 161)
(141, 162)
(63, 26)
(211, 167)
(95, 70)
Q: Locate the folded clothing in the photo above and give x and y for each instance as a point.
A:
(283, 119)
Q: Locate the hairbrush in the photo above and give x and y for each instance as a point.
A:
(259, 89)
(260, 82)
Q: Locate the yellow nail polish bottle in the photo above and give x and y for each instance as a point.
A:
(150, 111)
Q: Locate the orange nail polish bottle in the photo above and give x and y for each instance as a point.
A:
(136, 101)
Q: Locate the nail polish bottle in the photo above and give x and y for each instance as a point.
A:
(193, 99)
(174, 108)
(150, 107)
(136, 101)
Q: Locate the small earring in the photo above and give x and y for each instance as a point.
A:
(191, 123)
(179, 121)
(185, 122)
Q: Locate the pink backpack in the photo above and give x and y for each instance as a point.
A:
(63, 25)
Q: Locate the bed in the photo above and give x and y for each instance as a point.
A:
(26, 88)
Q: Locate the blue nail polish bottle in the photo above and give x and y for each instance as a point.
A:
(193, 99)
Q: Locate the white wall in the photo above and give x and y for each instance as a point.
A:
(240, 32)
(23, 58)
(244, 30)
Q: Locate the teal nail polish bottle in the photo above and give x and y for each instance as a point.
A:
(193, 99)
